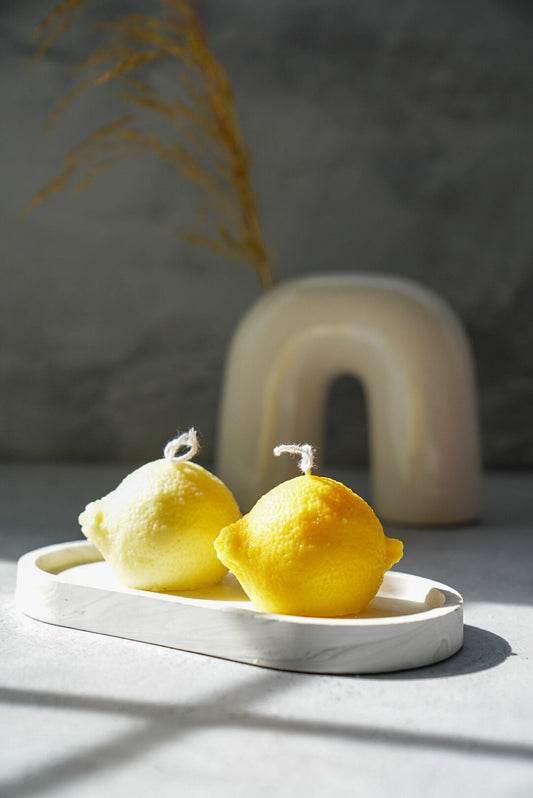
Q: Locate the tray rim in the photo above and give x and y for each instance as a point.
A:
(30, 561)
(211, 627)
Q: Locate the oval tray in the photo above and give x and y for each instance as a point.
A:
(413, 621)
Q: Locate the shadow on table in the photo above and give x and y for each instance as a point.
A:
(162, 723)
(481, 650)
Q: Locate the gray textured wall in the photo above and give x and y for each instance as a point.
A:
(388, 136)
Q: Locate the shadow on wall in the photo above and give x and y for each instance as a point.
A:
(390, 137)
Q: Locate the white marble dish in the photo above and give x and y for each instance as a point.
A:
(412, 622)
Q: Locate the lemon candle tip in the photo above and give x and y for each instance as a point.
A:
(304, 450)
(187, 440)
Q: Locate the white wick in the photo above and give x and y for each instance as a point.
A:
(186, 439)
(305, 451)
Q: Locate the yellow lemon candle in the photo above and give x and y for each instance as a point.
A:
(157, 528)
(310, 546)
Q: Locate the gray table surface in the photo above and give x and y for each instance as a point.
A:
(84, 714)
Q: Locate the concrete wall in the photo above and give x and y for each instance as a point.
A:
(388, 136)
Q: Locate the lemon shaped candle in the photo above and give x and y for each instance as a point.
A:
(310, 546)
(157, 528)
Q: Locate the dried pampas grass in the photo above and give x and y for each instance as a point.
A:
(206, 145)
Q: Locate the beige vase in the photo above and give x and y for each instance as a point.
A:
(413, 358)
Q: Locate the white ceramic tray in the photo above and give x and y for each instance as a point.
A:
(412, 622)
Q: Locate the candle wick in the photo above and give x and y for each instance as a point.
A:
(305, 450)
(186, 439)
